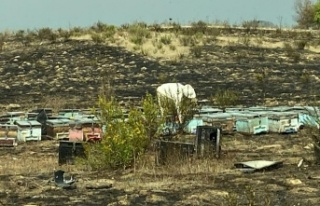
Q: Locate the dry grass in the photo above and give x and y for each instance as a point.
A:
(174, 49)
(185, 182)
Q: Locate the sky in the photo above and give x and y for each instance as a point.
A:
(34, 14)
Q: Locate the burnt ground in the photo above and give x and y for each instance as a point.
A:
(26, 172)
(77, 71)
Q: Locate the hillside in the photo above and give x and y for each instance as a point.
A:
(70, 68)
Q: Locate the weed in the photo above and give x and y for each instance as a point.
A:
(199, 27)
(20, 35)
(137, 48)
(181, 55)
(100, 27)
(187, 41)
(136, 39)
(144, 52)
(46, 34)
(64, 33)
(162, 77)
(211, 39)
(77, 31)
(262, 79)
(301, 44)
(224, 98)
(166, 40)
(138, 33)
(231, 200)
(250, 25)
(172, 47)
(2, 39)
(155, 51)
(245, 40)
(154, 42)
(159, 46)
(196, 51)
(97, 38)
(291, 52)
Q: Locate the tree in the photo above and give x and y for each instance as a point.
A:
(317, 12)
(126, 137)
(305, 13)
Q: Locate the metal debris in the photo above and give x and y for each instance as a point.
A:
(257, 165)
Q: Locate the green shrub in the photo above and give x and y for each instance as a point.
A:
(250, 25)
(224, 98)
(2, 40)
(199, 27)
(107, 30)
(122, 141)
(97, 38)
(172, 47)
(245, 40)
(99, 26)
(136, 39)
(151, 115)
(291, 52)
(125, 139)
(138, 33)
(165, 40)
(196, 51)
(301, 44)
(64, 33)
(76, 31)
(176, 27)
(46, 34)
(187, 41)
(20, 35)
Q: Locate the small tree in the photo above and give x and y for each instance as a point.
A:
(305, 13)
(151, 115)
(125, 138)
(317, 12)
